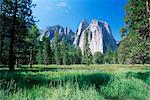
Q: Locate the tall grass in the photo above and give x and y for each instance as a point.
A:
(74, 85)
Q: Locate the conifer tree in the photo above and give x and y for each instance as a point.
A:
(1, 37)
(98, 58)
(57, 47)
(108, 56)
(115, 57)
(136, 32)
(64, 52)
(39, 55)
(86, 52)
(19, 16)
(47, 51)
(31, 40)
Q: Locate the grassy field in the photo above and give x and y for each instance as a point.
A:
(76, 82)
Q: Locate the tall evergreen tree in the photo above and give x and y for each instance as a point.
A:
(0, 34)
(19, 18)
(98, 58)
(4, 30)
(136, 32)
(86, 52)
(121, 51)
(78, 55)
(115, 57)
(47, 51)
(31, 40)
(108, 58)
(57, 49)
(39, 55)
(64, 51)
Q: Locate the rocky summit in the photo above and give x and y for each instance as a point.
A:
(62, 32)
(100, 37)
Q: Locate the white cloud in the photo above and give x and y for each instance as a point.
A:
(61, 4)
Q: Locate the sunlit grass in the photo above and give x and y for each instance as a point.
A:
(76, 82)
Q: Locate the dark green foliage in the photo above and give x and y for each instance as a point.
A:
(31, 40)
(134, 47)
(57, 49)
(115, 57)
(74, 55)
(47, 52)
(78, 54)
(122, 52)
(64, 52)
(108, 58)
(16, 19)
(98, 58)
(39, 55)
(1, 38)
(87, 56)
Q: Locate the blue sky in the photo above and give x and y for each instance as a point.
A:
(70, 13)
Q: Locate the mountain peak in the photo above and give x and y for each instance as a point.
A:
(82, 26)
(62, 32)
(83, 23)
(99, 36)
(95, 21)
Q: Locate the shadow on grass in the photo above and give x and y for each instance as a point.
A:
(144, 76)
(28, 80)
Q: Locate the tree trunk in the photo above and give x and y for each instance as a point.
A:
(17, 60)
(30, 58)
(11, 47)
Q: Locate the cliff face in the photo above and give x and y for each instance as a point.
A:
(99, 36)
(62, 32)
(78, 36)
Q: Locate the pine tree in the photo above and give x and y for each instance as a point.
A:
(98, 58)
(136, 32)
(57, 47)
(121, 51)
(47, 51)
(19, 16)
(108, 56)
(78, 55)
(87, 54)
(4, 31)
(64, 52)
(1, 36)
(39, 55)
(31, 40)
(115, 57)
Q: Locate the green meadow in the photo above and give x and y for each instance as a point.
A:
(76, 82)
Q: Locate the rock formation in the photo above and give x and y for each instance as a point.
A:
(99, 36)
(63, 32)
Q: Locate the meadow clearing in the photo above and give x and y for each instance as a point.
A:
(76, 82)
